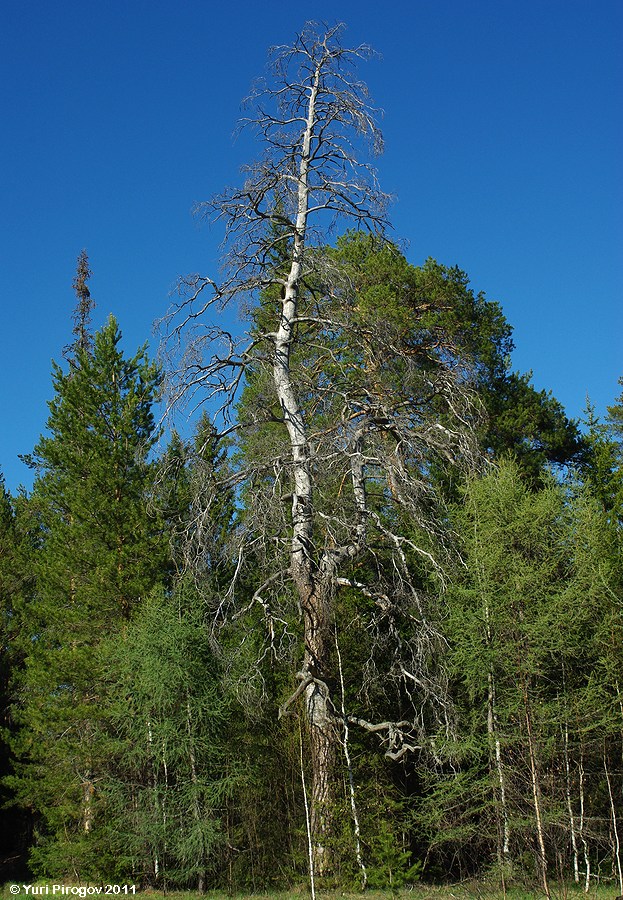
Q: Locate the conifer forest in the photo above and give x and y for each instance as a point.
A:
(364, 624)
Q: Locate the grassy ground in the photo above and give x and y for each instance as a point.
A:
(468, 891)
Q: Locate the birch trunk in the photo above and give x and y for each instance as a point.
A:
(494, 743)
(494, 740)
(536, 795)
(587, 862)
(323, 759)
(154, 780)
(574, 840)
(88, 790)
(616, 843)
(351, 780)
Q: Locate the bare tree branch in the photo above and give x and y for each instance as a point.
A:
(341, 413)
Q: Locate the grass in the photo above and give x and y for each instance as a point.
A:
(476, 890)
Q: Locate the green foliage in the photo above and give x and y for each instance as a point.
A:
(13, 579)
(9, 587)
(531, 425)
(93, 478)
(143, 745)
(603, 468)
(167, 789)
(392, 865)
(432, 311)
(96, 553)
(535, 633)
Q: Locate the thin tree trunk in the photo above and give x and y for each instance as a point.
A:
(494, 739)
(351, 780)
(616, 843)
(310, 845)
(154, 778)
(165, 769)
(568, 792)
(536, 794)
(88, 790)
(196, 805)
(587, 862)
(88, 784)
(574, 841)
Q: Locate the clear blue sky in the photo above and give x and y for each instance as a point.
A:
(504, 148)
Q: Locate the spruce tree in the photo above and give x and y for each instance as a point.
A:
(13, 824)
(98, 554)
(8, 586)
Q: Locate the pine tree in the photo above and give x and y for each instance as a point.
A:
(603, 467)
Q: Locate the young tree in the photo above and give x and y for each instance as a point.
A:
(534, 648)
(166, 786)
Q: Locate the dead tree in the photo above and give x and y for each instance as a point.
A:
(83, 339)
(351, 407)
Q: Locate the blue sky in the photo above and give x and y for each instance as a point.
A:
(504, 141)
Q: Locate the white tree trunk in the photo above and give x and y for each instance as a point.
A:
(494, 739)
(536, 795)
(616, 842)
(587, 861)
(574, 841)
